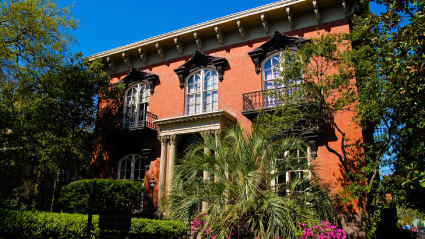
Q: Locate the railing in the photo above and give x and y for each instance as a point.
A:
(139, 120)
(380, 134)
(264, 99)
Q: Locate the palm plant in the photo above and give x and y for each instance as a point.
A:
(242, 191)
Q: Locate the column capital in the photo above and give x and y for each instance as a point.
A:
(173, 138)
(163, 139)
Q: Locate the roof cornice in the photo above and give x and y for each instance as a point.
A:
(193, 28)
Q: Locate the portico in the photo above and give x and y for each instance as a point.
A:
(171, 130)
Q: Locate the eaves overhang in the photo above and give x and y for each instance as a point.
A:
(196, 27)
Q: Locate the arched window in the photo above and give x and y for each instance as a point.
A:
(131, 167)
(201, 92)
(136, 105)
(271, 72)
(270, 78)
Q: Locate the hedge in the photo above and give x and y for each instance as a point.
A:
(20, 224)
(108, 194)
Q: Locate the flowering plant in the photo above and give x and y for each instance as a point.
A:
(324, 230)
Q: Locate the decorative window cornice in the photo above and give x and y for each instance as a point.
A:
(136, 75)
(277, 43)
(201, 60)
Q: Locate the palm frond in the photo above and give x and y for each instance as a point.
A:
(240, 197)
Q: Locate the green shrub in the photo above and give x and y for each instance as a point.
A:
(34, 224)
(108, 194)
(20, 224)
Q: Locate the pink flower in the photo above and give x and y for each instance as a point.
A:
(324, 230)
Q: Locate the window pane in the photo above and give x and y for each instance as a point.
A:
(191, 99)
(128, 98)
(268, 85)
(215, 106)
(133, 95)
(190, 109)
(125, 168)
(128, 169)
(268, 65)
(144, 94)
(208, 97)
(198, 104)
(275, 59)
(270, 73)
(197, 83)
(276, 74)
(190, 86)
(139, 171)
(201, 95)
(215, 79)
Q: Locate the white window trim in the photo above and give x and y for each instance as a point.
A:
(263, 76)
(137, 100)
(186, 105)
(133, 164)
(276, 182)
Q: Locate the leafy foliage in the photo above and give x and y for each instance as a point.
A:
(48, 103)
(33, 37)
(397, 37)
(35, 224)
(240, 195)
(108, 194)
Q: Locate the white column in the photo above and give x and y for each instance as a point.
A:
(205, 174)
(217, 136)
(171, 162)
(162, 171)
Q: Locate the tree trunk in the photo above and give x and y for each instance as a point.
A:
(35, 191)
(52, 203)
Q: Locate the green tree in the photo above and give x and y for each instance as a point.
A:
(399, 46)
(243, 192)
(47, 103)
(33, 37)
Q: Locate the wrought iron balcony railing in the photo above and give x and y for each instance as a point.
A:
(139, 120)
(265, 99)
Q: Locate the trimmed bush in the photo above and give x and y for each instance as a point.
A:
(27, 224)
(108, 194)
(20, 224)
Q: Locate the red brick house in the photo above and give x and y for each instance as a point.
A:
(199, 78)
